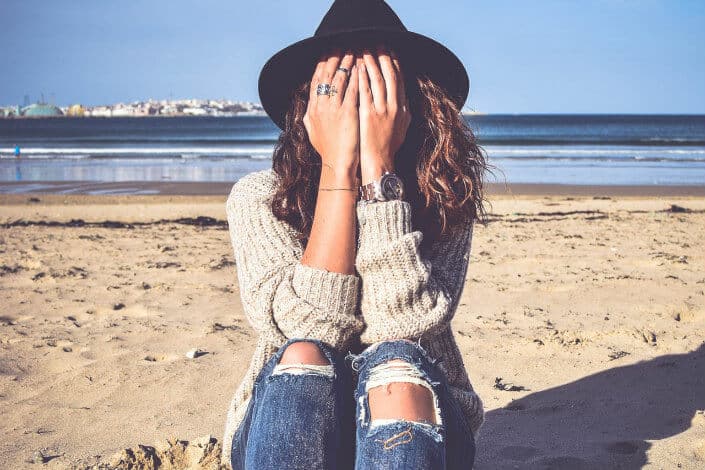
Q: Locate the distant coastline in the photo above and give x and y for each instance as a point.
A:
(149, 108)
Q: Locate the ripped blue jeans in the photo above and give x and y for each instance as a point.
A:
(318, 416)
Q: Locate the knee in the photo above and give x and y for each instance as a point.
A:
(397, 390)
(304, 352)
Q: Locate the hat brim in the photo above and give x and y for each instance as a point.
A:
(418, 54)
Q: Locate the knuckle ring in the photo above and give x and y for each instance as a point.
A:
(343, 69)
(323, 89)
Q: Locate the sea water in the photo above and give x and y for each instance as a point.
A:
(568, 149)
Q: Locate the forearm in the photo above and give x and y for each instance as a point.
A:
(406, 292)
(332, 243)
(281, 296)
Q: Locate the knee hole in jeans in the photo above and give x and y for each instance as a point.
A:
(397, 390)
(303, 357)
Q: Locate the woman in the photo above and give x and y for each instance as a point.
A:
(352, 252)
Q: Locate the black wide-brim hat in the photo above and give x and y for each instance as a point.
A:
(349, 22)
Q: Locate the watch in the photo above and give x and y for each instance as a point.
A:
(387, 188)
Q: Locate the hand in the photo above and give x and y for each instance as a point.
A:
(384, 112)
(332, 122)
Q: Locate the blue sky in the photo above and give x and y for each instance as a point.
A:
(582, 56)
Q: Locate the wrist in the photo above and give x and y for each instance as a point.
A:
(340, 177)
(375, 171)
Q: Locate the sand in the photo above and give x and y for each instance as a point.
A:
(582, 326)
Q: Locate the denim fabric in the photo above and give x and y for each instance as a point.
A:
(313, 421)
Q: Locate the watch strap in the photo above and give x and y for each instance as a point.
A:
(372, 191)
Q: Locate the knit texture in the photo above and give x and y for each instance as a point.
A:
(398, 291)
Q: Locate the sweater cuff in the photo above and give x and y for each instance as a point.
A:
(318, 304)
(384, 221)
(327, 290)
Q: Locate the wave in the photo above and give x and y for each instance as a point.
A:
(594, 151)
(633, 153)
(137, 139)
(598, 159)
(575, 153)
(512, 140)
(139, 153)
(590, 140)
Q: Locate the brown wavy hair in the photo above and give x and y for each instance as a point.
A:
(440, 162)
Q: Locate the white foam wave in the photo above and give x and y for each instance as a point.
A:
(205, 151)
(590, 151)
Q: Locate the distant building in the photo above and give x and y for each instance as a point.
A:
(121, 111)
(10, 111)
(101, 111)
(169, 109)
(195, 111)
(252, 112)
(76, 110)
(41, 110)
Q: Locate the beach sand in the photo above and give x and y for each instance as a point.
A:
(582, 326)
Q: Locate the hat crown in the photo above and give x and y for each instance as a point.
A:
(354, 15)
(358, 24)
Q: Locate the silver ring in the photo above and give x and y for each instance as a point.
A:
(323, 89)
(343, 69)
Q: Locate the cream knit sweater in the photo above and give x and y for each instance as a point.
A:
(398, 291)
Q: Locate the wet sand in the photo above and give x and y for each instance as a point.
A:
(219, 188)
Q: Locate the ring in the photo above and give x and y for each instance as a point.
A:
(343, 69)
(323, 89)
(333, 90)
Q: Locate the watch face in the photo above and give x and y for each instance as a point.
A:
(392, 187)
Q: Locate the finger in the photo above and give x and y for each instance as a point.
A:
(364, 86)
(379, 93)
(390, 76)
(315, 79)
(351, 93)
(340, 79)
(330, 66)
(401, 86)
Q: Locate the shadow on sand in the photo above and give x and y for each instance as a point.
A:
(601, 421)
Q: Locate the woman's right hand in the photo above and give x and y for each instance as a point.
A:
(333, 122)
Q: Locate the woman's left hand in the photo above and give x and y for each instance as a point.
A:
(384, 112)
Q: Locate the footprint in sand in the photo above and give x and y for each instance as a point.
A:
(160, 357)
(128, 311)
(688, 315)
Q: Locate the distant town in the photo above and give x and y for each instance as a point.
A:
(183, 107)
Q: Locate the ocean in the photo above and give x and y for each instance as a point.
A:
(567, 149)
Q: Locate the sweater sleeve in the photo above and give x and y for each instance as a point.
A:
(280, 295)
(406, 294)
